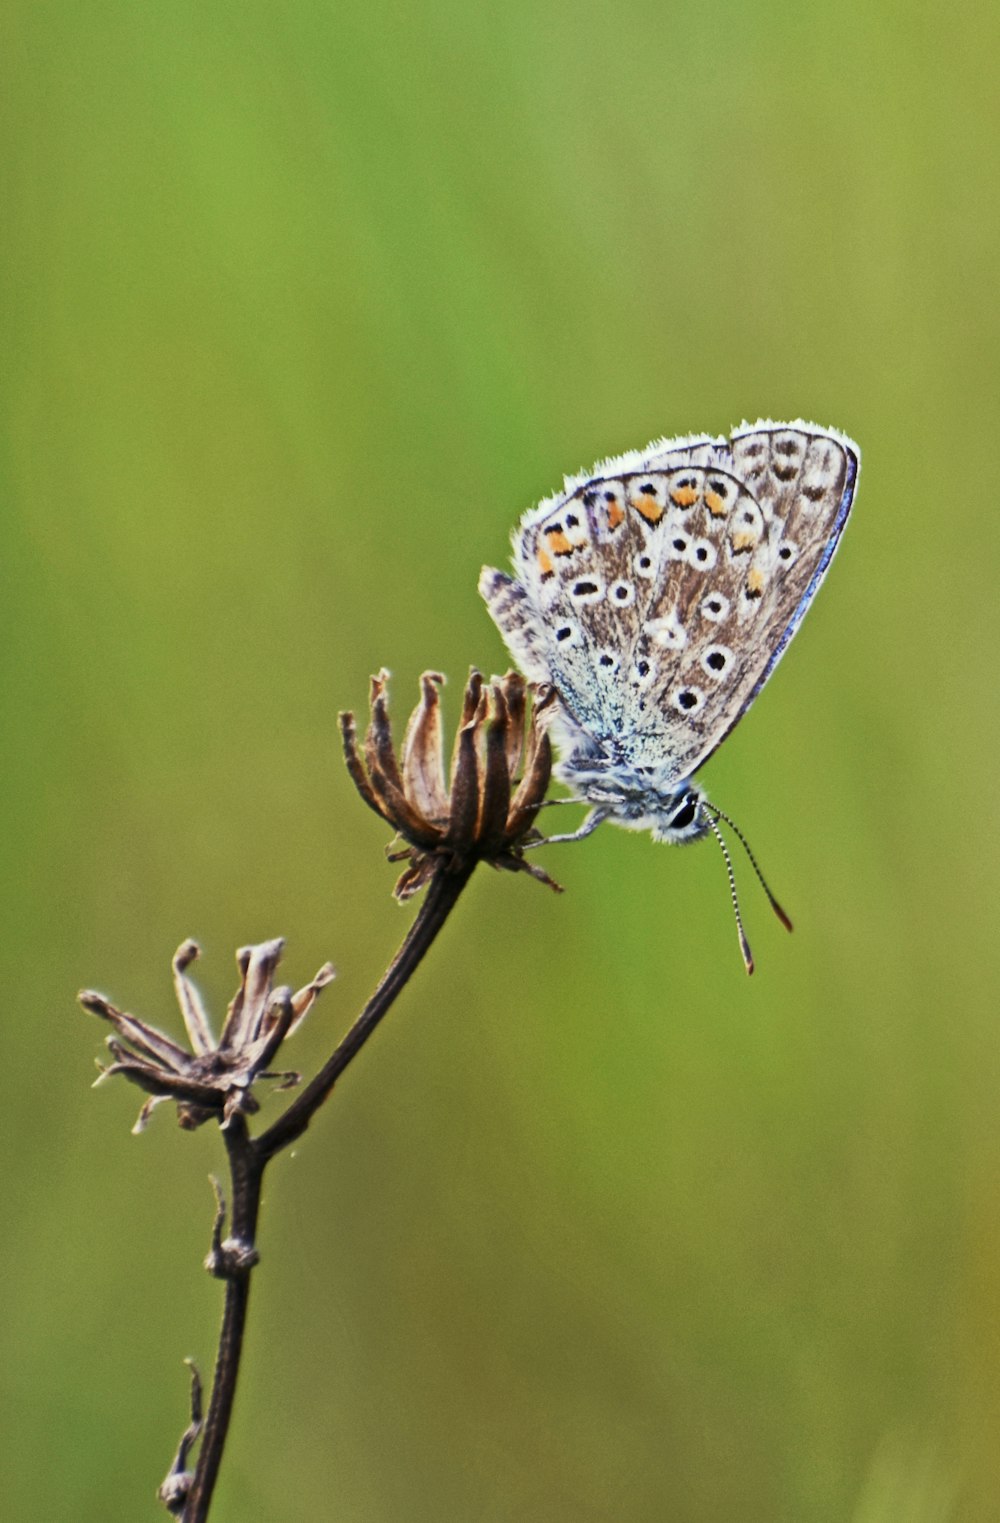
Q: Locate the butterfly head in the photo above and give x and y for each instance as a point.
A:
(674, 814)
(680, 817)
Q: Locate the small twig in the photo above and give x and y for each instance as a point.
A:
(176, 1485)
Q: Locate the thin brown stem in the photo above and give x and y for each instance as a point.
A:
(441, 897)
(234, 1259)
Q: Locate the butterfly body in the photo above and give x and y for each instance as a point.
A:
(656, 594)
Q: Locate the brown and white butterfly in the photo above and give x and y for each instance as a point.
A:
(657, 593)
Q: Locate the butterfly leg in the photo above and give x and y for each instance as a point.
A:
(589, 825)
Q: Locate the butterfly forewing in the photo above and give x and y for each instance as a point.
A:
(658, 594)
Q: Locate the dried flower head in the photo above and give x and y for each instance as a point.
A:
(500, 770)
(215, 1079)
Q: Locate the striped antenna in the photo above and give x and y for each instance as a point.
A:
(776, 907)
(744, 944)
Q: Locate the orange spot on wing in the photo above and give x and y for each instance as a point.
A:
(715, 505)
(544, 563)
(743, 540)
(649, 509)
(558, 543)
(616, 514)
(755, 582)
(685, 497)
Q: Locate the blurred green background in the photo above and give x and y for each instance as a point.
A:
(303, 305)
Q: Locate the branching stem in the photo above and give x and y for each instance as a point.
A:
(234, 1259)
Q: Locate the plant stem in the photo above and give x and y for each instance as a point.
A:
(439, 901)
(245, 1174)
(249, 1157)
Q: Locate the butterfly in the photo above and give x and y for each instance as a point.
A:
(656, 594)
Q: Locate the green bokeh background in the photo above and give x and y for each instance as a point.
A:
(302, 306)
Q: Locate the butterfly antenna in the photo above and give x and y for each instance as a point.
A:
(744, 944)
(776, 907)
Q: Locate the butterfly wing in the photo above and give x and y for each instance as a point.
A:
(588, 561)
(658, 593)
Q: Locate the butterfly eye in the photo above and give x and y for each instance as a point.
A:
(684, 815)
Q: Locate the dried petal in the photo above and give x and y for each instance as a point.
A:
(495, 800)
(154, 1044)
(464, 788)
(194, 1013)
(304, 999)
(246, 1012)
(275, 1025)
(515, 697)
(378, 741)
(423, 757)
(417, 876)
(355, 766)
